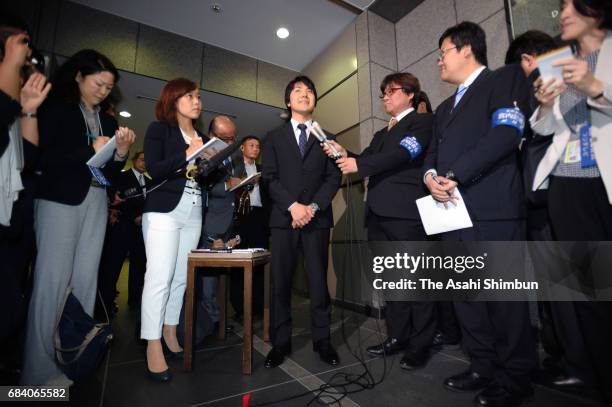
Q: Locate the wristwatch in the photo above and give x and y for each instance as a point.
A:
(314, 207)
(450, 175)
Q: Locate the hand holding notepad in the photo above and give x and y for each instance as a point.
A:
(438, 217)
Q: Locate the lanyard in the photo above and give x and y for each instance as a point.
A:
(89, 134)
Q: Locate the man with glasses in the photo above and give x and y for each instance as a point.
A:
(393, 162)
(474, 149)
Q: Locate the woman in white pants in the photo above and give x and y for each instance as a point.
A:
(172, 219)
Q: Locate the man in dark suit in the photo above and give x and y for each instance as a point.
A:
(124, 236)
(393, 161)
(302, 182)
(251, 222)
(479, 154)
(219, 212)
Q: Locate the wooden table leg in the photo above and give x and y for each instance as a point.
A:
(222, 302)
(266, 313)
(247, 347)
(189, 317)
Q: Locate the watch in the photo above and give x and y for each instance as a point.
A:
(314, 207)
(450, 175)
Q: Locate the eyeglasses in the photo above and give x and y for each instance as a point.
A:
(443, 52)
(226, 139)
(389, 92)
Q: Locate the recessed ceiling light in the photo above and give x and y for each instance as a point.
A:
(125, 113)
(282, 33)
(215, 7)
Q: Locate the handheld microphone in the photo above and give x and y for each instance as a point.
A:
(316, 130)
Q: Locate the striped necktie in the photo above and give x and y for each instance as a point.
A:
(303, 138)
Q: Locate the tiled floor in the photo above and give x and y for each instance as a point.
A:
(217, 379)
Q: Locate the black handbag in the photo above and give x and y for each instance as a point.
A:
(80, 342)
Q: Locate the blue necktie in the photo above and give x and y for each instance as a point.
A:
(303, 138)
(459, 94)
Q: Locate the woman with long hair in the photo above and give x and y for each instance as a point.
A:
(172, 219)
(578, 164)
(70, 206)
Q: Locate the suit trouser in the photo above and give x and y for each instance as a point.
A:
(69, 240)
(410, 322)
(580, 211)
(123, 239)
(315, 244)
(497, 335)
(253, 230)
(169, 238)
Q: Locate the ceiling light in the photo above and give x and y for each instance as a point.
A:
(125, 113)
(215, 7)
(282, 33)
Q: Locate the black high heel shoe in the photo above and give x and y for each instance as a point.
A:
(160, 377)
(169, 353)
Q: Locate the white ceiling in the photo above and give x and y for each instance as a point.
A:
(247, 27)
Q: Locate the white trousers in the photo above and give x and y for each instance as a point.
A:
(168, 237)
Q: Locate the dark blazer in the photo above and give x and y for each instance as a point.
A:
(128, 186)
(395, 177)
(290, 178)
(484, 159)
(9, 110)
(164, 149)
(220, 203)
(64, 150)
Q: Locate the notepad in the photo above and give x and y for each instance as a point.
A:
(545, 61)
(438, 219)
(103, 155)
(208, 150)
(251, 179)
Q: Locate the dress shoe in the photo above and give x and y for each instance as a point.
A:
(160, 377)
(568, 382)
(415, 358)
(276, 356)
(390, 346)
(500, 396)
(467, 381)
(327, 353)
(443, 341)
(170, 354)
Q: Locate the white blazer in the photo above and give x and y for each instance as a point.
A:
(601, 127)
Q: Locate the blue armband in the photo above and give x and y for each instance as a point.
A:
(411, 144)
(509, 116)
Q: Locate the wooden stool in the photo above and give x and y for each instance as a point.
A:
(247, 261)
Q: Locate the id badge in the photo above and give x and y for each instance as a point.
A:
(587, 155)
(572, 152)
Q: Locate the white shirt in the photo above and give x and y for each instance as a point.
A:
(402, 114)
(297, 131)
(254, 195)
(470, 79)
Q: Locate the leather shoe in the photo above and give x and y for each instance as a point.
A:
(499, 396)
(442, 341)
(169, 354)
(567, 382)
(328, 354)
(276, 356)
(415, 358)
(160, 377)
(467, 381)
(390, 346)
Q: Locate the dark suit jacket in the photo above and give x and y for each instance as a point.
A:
(395, 177)
(220, 203)
(164, 149)
(484, 159)
(128, 186)
(290, 178)
(64, 150)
